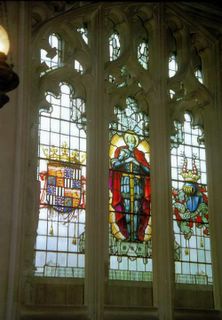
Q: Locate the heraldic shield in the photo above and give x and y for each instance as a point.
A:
(63, 187)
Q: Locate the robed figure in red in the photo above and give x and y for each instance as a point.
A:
(130, 187)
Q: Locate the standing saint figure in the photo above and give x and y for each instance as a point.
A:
(130, 187)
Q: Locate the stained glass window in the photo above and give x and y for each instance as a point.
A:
(62, 176)
(190, 205)
(130, 196)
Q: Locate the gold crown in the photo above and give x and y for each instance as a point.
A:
(52, 153)
(190, 175)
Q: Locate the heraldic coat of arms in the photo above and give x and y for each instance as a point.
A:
(63, 184)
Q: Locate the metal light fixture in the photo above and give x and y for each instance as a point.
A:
(9, 80)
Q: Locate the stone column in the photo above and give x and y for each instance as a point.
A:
(162, 234)
(97, 185)
(20, 27)
(213, 131)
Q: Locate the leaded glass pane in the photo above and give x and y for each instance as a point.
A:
(198, 75)
(143, 54)
(114, 46)
(62, 176)
(172, 66)
(78, 67)
(129, 189)
(190, 206)
(84, 33)
(52, 57)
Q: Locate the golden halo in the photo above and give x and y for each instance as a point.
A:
(131, 134)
